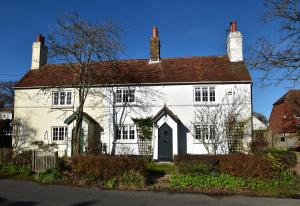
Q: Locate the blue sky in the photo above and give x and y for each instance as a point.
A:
(186, 28)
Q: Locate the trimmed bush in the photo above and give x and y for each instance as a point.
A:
(281, 160)
(102, 167)
(228, 182)
(247, 166)
(196, 164)
(5, 156)
(240, 165)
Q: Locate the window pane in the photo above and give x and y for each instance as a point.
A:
(212, 94)
(212, 132)
(62, 97)
(69, 97)
(125, 132)
(131, 95)
(118, 132)
(197, 94)
(131, 132)
(119, 96)
(204, 94)
(55, 98)
(125, 95)
(197, 132)
(61, 133)
(55, 133)
(205, 132)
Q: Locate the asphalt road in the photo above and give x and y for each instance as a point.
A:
(28, 194)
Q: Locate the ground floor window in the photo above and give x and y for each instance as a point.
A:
(204, 132)
(125, 132)
(59, 133)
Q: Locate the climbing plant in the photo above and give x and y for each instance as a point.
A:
(144, 127)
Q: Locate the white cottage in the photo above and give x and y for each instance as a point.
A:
(170, 91)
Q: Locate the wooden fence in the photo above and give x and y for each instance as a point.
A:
(42, 161)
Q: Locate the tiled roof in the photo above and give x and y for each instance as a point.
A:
(285, 109)
(169, 70)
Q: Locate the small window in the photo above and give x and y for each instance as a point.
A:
(204, 94)
(59, 133)
(205, 132)
(125, 132)
(282, 139)
(62, 98)
(212, 132)
(125, 95)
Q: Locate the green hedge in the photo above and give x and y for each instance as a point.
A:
(281, 160)
(228, 182)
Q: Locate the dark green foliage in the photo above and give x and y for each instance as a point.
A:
(103, 167)
(132, 180)
(49, 176)
(14, 170)
(6, 155)
(144, 127)
(153, 167)
(228, 182)
(287, 159)
(196, 164)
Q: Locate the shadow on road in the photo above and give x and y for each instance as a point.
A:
(6, 202)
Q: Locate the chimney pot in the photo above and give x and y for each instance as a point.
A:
(233, 27)
(154, 32)
(40, 38)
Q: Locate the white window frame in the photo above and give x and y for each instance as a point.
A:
(60, 129)
(125, 95)
(204, 94)
(209, 130)
(57, 99)
(127, 137)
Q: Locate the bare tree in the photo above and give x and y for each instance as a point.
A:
(279, 61)
(81, 44)
(23, 135)
(221, 128)
(6, 94)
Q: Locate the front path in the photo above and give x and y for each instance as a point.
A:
(14, 192)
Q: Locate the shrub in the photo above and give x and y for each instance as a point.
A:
(49, 176)
(281, 160)
(247, 166)
(132, 180)
(14, 170)
(23, 159)
(228, 182)
(5, 156)
(196, 164)
(104, 167)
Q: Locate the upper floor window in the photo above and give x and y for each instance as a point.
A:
(62, 98)
(59, 133)
(204, 94)
(125, 95)
(125, 132)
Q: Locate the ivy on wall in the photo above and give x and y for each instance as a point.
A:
(144, 127)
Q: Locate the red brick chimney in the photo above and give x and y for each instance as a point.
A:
(154, 47)
(233, 27)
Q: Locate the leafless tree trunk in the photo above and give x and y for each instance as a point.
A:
(279, 61)
(80, 44)
(221, 127)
